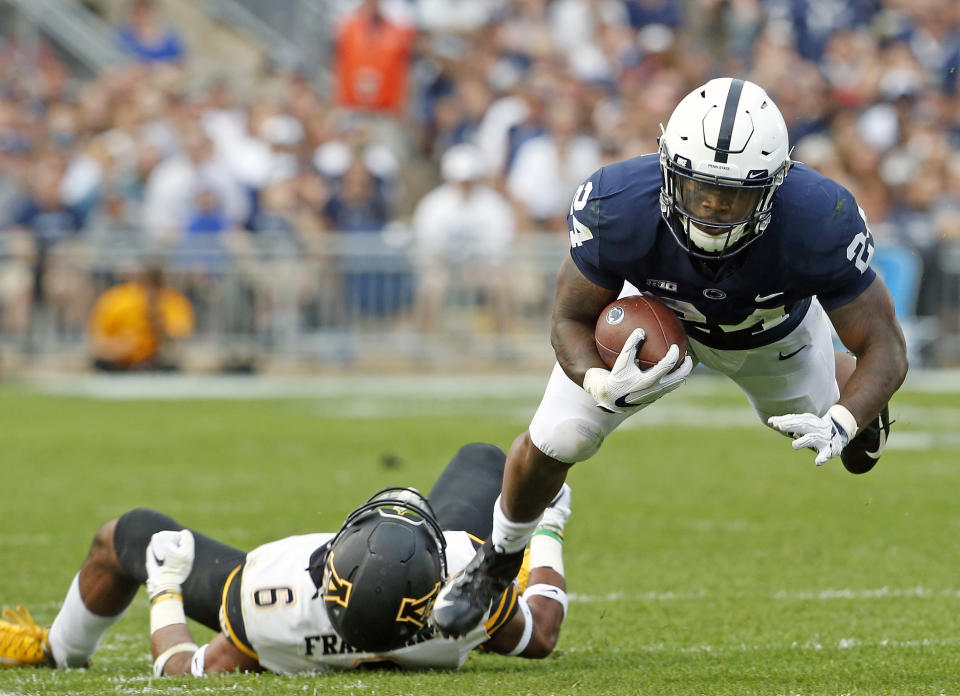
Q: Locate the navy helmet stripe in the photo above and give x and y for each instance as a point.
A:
(726, 124)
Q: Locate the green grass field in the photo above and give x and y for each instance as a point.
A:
(704, 556)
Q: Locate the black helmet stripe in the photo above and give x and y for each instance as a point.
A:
(729, 116)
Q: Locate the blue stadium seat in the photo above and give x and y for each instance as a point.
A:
(900, 267)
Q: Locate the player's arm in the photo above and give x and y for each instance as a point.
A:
(869, 328)
(169, 559)
(532, 632)
(545, 618)
(577, 304)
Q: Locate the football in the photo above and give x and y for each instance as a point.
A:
(618, 320)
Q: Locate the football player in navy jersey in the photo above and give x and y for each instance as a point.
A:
(757, 256)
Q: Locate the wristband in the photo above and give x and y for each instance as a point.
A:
(166, 609)
(198, 663)
(546, 550)
(842, 417)
(165, 656)
(166, 593)
(553, 534)
(527, 628)
(553, 592)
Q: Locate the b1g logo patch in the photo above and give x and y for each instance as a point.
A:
(615, 315)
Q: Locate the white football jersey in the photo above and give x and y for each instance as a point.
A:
(287, 625)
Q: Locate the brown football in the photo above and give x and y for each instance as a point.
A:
(618, 320)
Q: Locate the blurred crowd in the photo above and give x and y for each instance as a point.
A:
(452, 129)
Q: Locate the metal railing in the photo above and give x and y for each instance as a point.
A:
(352, 300)
(359, 299)
(294, 33)
(88, 38)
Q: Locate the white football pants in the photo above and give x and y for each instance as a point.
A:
(569, 426)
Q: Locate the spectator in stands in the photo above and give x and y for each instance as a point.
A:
(861, 83)
(146, 36)
(136, 325)
(463, 234)
(372, 60)
(113, 237)
(47, 230)
(548, 168)
(375, 275)
(172, 188)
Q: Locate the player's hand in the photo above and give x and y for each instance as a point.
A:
(169, 560)
(556, 515)
(826, 435)
(626, 386)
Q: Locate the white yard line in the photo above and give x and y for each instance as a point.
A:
(508, 397)
(814, 644)
(450, 386)
(827, 594)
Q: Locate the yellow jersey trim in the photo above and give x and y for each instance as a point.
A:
(249, 652)
(504, 611)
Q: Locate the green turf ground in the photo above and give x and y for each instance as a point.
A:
(703, 555)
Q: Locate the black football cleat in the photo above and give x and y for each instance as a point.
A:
(863, 451)
(467, 597)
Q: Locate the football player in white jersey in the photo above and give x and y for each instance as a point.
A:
(312, 602)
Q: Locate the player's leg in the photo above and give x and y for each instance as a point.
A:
(113, 572)
(213, 562)
(863, 451)
(97, 598)
(567, 428)
(463, 495)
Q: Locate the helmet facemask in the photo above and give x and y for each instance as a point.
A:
(721, 167)
(713, 217)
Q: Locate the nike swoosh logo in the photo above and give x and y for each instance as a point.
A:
(159, 561)
(764, 298)
(879, 450)
(781, 356)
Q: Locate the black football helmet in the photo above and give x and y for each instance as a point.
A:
(383, 570)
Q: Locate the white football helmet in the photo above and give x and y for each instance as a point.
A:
(723, 154)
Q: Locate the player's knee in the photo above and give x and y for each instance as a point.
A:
(570, 441)
(102, 552)
(482, 454)
(133, 531)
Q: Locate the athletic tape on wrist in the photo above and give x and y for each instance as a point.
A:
(165, 656)
(553, 592)
(546, 551)
(167, 610)
(842, 416)
(527, 628)
(166, 593)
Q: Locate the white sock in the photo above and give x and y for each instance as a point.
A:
(76, 632)
(509, 536)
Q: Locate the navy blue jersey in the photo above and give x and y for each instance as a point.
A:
(816, 244)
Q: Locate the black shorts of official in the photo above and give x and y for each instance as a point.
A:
(212, 565)
(463, 496)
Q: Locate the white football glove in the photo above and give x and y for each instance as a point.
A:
(827, 435)
(169, 560)
(626, 386)
(556, 515)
